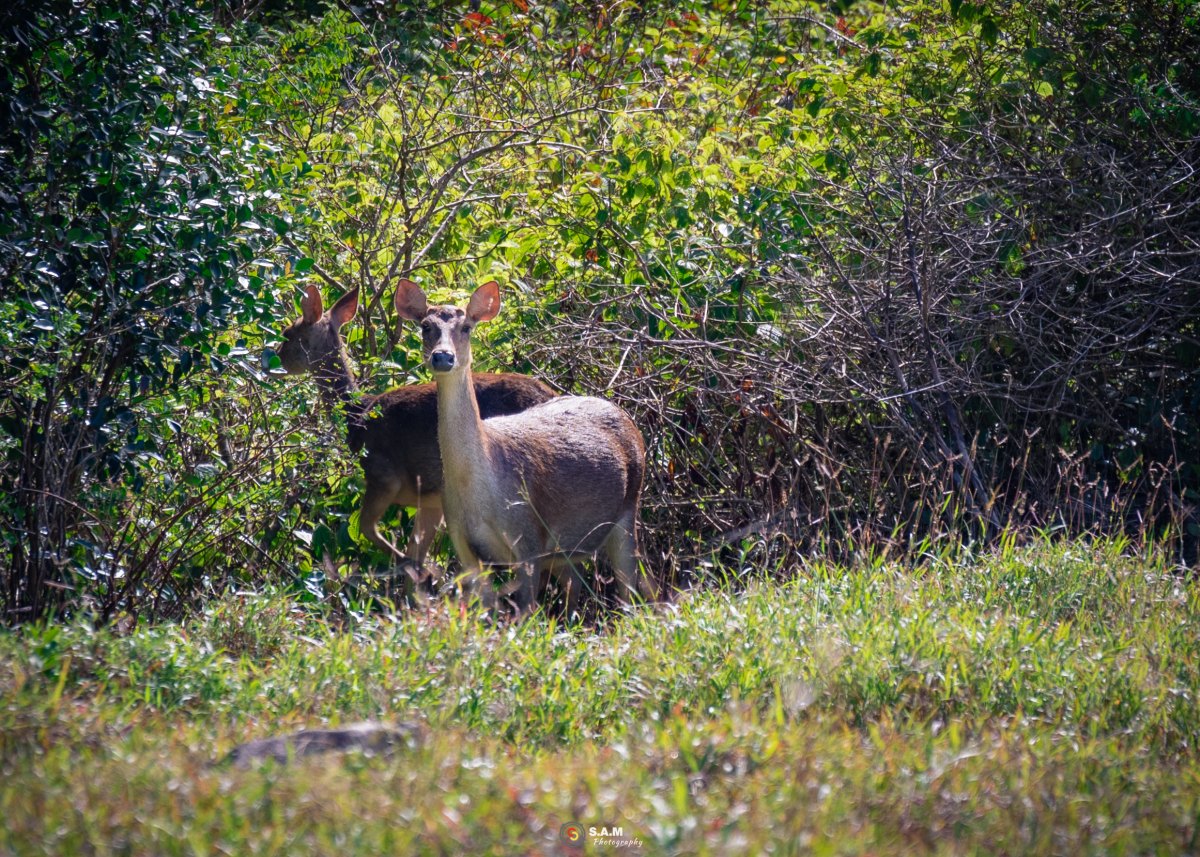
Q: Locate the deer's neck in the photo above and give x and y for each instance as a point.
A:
(335, 378)
(462, 439)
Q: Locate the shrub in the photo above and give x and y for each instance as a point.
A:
(130, 225)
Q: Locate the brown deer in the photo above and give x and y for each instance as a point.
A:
(536, 489)
(397, 430)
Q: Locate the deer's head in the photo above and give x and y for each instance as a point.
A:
(446, 330)
(314, 339)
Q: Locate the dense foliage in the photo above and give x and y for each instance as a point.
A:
(870, 277)
(130, 226)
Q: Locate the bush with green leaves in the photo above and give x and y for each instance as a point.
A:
(132, 231)
(993, 252)
(812, 252)
(902, 274)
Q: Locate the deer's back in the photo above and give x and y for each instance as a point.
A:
(398, 428)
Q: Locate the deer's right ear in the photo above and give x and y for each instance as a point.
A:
(311, 307)
(410, 301)
(342, 311)
(485, 303)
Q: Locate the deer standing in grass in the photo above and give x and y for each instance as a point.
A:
(397, 429)
(534, 490)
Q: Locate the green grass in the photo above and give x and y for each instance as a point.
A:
(1039, 701)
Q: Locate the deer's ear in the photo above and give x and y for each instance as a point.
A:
(485, 303)
(311, 307)
(342, 311)
(410, 301)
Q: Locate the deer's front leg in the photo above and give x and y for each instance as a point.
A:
(528, 576)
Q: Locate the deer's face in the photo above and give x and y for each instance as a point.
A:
(299, 345)
(314, 337)
(446, 330)
(446, 339)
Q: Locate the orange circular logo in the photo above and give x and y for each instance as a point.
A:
(571, 834)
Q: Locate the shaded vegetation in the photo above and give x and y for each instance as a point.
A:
(130, 224)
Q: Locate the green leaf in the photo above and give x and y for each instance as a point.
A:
(989, 30)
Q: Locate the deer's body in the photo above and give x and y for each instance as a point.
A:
(395, 431)
(533, 489)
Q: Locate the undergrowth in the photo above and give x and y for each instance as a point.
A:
(1040, 700)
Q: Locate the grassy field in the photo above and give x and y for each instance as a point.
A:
(1039, 701)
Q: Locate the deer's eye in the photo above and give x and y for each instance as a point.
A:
(466, 328)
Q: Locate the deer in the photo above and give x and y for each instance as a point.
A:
(395, 431)
(534, 490)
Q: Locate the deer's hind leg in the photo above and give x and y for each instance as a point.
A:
(620, 546)
(566, 572)
(527, 577)
(380, 497)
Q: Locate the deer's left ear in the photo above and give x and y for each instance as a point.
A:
(410, 301)
(485, 303)
(311, 307)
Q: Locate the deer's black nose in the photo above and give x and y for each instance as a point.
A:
(441, 361)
